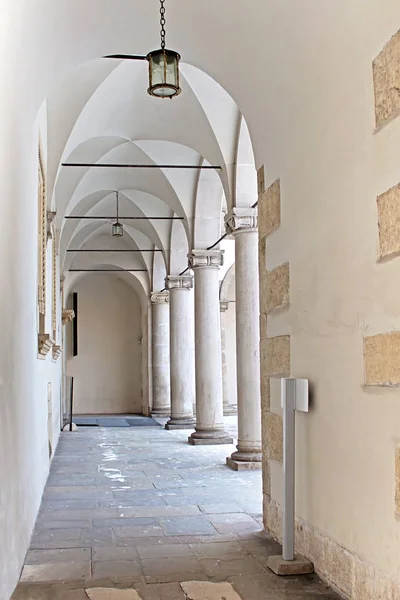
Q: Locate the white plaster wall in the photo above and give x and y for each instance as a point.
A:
(24, 454)
(107, 371)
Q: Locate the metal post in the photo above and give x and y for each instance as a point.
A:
(289, 404)
(294, 396)
(71, 404)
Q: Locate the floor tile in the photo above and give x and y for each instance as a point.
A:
(223, 550)
(163, 566)
(40, 557)
(165, 551)
(214, 509)
(225, 567)
(137, 531)
(108, 553)
(124, 522)
(116, 568)
(56, 572)
(187, 526)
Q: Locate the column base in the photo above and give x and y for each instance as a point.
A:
(161, 412)
(185, 423)
(299, 566)
(245, 460)
(230, 410)
(242, 465)
(210, 438)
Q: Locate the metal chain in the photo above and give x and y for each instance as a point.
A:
(162, 23)
(117, 206)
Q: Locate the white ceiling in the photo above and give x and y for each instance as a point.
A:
(102, 113)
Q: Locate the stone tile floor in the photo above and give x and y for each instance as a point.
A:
(142, 509)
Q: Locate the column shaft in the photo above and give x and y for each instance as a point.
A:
(182, 388)
(160, 354)
(243, 224)
(229, 409)
(209, 408)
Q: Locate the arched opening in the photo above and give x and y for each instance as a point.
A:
(107, 369)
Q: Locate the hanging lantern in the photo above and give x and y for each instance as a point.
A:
(163, 67)
(117, 228)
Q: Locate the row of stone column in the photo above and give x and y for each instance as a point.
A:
(173, 387)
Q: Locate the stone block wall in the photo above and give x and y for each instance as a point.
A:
(329, 249)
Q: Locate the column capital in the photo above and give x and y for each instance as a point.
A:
(159, 297)
(206, 258)
(179, 282)
(241, 219)
(223, 306)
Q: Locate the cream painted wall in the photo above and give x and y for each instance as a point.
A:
(107, 371)
(332, 165)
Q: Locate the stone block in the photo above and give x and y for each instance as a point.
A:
(278, 293)
(269, 209)
(339, 563)
(273, 432)
(260, 180)
(263, 326)
(397, 471)
(389, 222)
(266, 476)
(262, 254)
(386, 74)
(299, 566)
(369, 583)
(264, 375)
(263, 292)
(272, 516)
(382, 359)
(265, 392)
(278, 356)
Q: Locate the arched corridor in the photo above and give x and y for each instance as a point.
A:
(219, 267)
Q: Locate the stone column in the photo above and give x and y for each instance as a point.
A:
(209, 410)
(160, 354)
(242, 223)
(182, 388)
(229, 409)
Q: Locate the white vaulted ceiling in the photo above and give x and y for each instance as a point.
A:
(102, 113)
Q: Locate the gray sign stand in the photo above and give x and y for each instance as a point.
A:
(294, 396)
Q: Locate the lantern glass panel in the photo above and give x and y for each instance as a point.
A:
(117, 230)
(163, 73)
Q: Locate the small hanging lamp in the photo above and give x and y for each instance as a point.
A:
(163, 67)
(117, 228)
